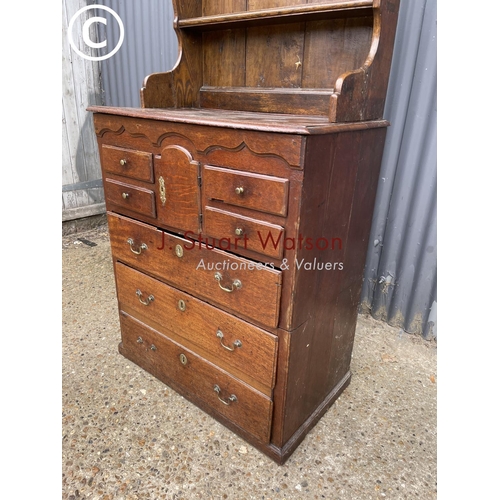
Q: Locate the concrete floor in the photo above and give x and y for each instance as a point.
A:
(128, 436)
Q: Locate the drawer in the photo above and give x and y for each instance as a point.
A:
(258, 192)
(244, 232)
(127, 162)
(131, 197)
(237, 346)
(241, 286)
(189, 373)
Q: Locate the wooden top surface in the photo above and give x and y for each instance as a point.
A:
(265, 122)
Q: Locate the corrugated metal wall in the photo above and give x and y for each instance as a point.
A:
(82, 192)
(150, 46)
(400, 277)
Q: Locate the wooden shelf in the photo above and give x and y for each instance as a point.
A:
(298, 13)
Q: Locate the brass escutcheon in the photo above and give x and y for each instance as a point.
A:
(179, 251)
(163, 191)
(183, 359)
(182, 305)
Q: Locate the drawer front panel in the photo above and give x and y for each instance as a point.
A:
(188, 372)
(238, 285)
(132, 197)
(127, 162)
(258, 192)
(249, 352)
(244, 232)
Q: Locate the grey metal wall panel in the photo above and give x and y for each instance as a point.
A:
(400, 276)
(150, 46)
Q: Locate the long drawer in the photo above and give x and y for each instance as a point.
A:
(229, 342)
(189, 373)
(247, 289)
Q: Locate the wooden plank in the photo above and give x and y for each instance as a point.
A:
(214, 7)
(344, 43)
(80, 89)
(81, 212)
(70, 114)
(267, 100)
(282, 49)
(269, 4)
(224, 58)
(187, 8)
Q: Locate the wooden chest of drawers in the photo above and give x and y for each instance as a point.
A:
(252, 318)
(239, 237)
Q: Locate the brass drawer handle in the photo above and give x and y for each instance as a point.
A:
(123, 162)
(236, 343)
(240, 190)
(147, 301)
(231, 399)
(236, 285)
(238, 231)
(125, 196)
(153, 347)
(139, 340)
(130, 241)
(163, 191)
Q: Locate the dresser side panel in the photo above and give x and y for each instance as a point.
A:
(340, 183)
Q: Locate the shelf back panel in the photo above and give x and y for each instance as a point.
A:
(299, 55)
(216, 7)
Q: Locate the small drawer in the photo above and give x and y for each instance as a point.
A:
(134, 198)
(127, 162)
(189, 373)
(249, 290)
(238, 232)
(231, 343)
(258, 192)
